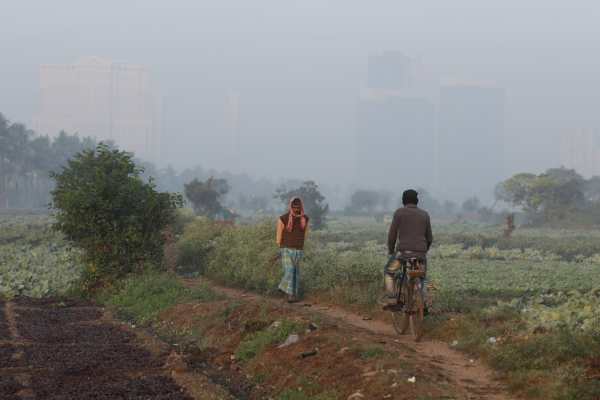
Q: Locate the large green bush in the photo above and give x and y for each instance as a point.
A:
(195, 246)
(105, 208)
(245, 256)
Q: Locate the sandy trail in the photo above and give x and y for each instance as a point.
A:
(475, 379)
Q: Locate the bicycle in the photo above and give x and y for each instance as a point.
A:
(409, 310)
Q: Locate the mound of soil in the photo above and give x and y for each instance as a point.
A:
(47, 302)
(9, 387)
(60, 315)
(43, 332)
(6, 357)
(4, 333)
(62, 387)
(73, 353)
(78, 359)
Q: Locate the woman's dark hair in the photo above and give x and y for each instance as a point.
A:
(410, 196)
(296, 202)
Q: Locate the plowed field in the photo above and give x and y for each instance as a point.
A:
(66, 350)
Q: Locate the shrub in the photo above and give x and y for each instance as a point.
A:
(104, 206)
(245, 256)
(195, 246)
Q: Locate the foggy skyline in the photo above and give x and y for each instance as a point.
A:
(297, 70)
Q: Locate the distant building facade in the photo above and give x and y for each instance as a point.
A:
(470, 140)
(580, 150)
(395, 126)
(101, 99)
(390, 70)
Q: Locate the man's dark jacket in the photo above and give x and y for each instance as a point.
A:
(410, 231)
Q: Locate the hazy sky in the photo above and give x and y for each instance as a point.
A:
(298, 67)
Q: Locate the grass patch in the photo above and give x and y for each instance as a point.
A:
(143, 297)
(546, 365)
(257, 342)
(540, 352)
(299, 394)
(372, 352)
(231, 307)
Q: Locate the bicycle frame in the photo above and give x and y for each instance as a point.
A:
(414, 265)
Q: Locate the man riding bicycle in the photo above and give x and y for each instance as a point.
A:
(409, 236)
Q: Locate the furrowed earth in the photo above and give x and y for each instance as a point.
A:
(55, 350)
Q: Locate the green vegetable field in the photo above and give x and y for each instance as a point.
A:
(35, 260)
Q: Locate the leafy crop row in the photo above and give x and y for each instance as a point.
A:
(35, 260)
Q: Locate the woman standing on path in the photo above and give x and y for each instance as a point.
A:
(292, 228)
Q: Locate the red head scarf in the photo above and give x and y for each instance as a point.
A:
(290, 224)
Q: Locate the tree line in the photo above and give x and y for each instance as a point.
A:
(25, 162)
(557, 196)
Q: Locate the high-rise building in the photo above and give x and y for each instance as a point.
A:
(470, 140)
(390, 70)
(580, 150)
(395, 127)
(396, 142)
(101, 99)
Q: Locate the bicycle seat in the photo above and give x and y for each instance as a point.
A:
(410, 257)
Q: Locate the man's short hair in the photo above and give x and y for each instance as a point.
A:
(410, 196)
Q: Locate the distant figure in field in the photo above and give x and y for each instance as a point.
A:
(510, 225)
(292, 228)
(409, 236)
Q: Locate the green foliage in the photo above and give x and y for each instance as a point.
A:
(314, 202)
(350, 272)
(142, 297)
(571, 311)
(35, 261)
(111, 213)
(183, 217)
(257, 342)
(196, 244)
(245, 256)
(551, 196)
(300, 394)
(206, 196)
(372, 352)
(26, 159)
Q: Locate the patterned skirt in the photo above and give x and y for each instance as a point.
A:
(290, 260)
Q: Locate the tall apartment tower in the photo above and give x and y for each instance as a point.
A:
(102, 99)
(470, 140)
(395, 127)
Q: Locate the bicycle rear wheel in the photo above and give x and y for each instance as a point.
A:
(417, 311)
(400, 318)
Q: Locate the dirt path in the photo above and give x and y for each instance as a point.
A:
(475, 380)
(58, 351)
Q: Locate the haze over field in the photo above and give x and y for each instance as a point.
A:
(296, 73)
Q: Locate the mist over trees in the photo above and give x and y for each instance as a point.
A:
(26, 160)
(558, 196)
(369, 201)
(206, 197)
